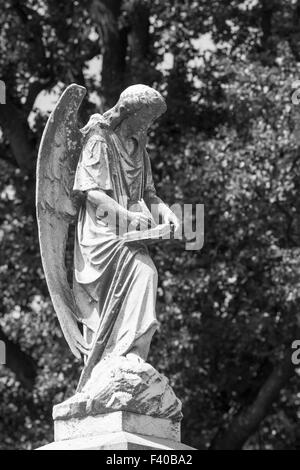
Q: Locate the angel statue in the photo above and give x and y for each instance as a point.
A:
(94, 177)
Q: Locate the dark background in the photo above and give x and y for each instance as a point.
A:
(230, 140)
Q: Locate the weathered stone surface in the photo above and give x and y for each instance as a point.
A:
(117, 441)
(123, 383)
(117, 421)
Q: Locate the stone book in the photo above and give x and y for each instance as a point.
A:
(160, 232)
(156, 232)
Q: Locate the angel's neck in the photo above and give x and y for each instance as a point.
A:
(127, 135)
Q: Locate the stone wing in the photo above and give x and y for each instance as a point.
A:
(56, 204)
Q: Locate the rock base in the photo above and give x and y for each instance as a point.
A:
(122, 384)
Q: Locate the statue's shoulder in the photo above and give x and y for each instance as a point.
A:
(97, 133)
(96, 144)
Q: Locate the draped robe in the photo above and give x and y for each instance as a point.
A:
(115, 282)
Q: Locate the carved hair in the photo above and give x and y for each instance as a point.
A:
(135, 98)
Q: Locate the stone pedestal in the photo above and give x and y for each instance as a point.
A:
(119, 430)
(126, 404)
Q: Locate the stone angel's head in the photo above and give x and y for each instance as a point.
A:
(137, 108)
(139, 104)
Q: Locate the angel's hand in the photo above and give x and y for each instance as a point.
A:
(172, 219)
(139, 219)
(74, 338)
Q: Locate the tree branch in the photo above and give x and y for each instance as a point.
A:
(114, 41)
(17, 131)
(19, 362)
(293, 36)
(139, 41)
(246, 423)
(34, 89)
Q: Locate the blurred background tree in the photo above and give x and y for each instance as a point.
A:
(230, 139)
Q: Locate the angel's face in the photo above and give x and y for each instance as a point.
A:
(138, 122)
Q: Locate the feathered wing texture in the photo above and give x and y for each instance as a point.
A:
(56, 206)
